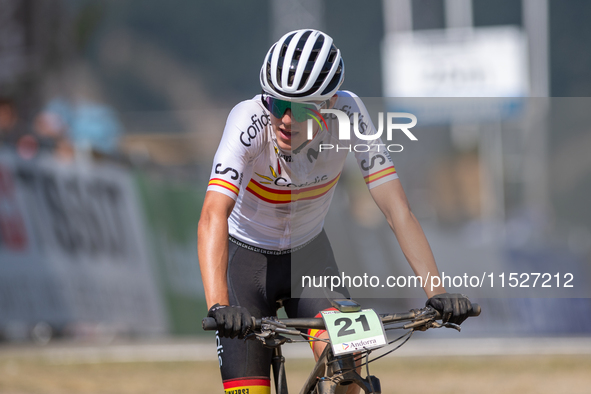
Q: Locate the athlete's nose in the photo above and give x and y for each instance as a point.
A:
(286, 118)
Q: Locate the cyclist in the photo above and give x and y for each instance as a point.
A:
(268, 195)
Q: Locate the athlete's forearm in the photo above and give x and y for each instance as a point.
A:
(391, 199)
(212, 241)
(212, 245)
(416, 249)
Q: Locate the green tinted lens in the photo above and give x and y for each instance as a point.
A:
(278, 107)
(300, 112)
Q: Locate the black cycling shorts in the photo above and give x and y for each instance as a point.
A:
(258, 282)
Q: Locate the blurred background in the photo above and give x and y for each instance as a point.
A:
(111, 111)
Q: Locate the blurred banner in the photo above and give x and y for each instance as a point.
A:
(463, 63)
(72, 250)
(469, 62)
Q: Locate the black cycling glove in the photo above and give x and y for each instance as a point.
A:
(232, 321)
(454, 308)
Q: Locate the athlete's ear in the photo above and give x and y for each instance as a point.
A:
(333, 100)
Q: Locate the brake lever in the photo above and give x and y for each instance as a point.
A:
(272, 321)
(287, 331)
(261, 336)
(452, 325)
(435, 324)
(274, 341)
(269, 334)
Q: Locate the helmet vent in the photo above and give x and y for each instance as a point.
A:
(304, 80)
(332, 56)
(337, 77)
(303, 40)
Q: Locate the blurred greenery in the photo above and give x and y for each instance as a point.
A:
(172, 210)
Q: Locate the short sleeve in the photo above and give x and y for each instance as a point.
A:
(372, 155)
(242, 140)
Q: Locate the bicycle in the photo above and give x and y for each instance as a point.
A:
(337, 368)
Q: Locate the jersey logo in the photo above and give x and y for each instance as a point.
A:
(226, 170)
(312, 153)
(285, 196)
(255, 128)
(372, 162)
(277, 180)
(274, 174)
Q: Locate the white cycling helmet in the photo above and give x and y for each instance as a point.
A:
(304, 65)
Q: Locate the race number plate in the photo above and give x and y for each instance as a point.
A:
(354, 331)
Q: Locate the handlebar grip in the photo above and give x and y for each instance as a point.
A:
(475, 311)
(209, 324)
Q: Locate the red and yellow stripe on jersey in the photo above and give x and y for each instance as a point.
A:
(316, 332)
(253, 385)
(222, 183)
(275, 196)
(379, 174)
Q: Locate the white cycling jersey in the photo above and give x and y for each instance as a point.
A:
(282, 197)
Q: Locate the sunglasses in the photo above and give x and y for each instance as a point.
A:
(300, 112)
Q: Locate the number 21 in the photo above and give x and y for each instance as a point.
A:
(347, 323)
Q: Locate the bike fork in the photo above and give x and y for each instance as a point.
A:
(278, 363)
(342, 369)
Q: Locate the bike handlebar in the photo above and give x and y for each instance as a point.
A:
(209, 323)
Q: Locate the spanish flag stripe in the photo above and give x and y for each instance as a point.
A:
(316, 333)
(255, 189)
(266, 199)
(225, 187)
(268, 189)
(296, 191)
(388, 169)
(249, 390)
(380, 174)
(280, 196)
(380, 177)
(313, 193)
(224, 184)
(312, 188)
(258, 381)
(314, 196)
